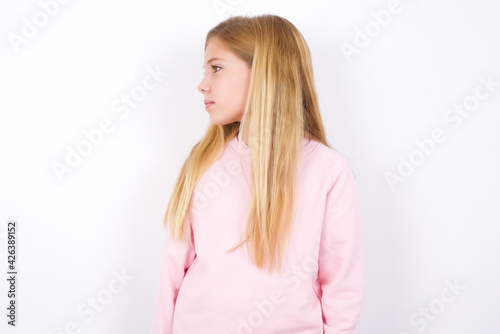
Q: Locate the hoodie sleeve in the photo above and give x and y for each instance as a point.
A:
(341, 262)
(177, 257)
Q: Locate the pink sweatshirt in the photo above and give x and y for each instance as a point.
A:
(204, 290)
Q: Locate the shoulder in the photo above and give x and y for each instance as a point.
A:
(335, 163)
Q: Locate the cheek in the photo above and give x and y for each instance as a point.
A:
(229, 92)
(232, 92)
(239, 91)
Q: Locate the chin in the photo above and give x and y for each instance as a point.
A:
(218, 121)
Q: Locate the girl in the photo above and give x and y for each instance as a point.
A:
(261, 190)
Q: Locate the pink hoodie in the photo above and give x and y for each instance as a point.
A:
(204, 290)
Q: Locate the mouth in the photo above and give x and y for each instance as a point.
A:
(208, 104)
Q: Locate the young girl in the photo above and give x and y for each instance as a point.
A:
(265, 224)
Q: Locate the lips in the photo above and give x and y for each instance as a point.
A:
(208, 104)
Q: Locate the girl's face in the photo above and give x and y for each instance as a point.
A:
(225, 83)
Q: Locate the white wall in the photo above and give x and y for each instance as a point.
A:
(435, 227)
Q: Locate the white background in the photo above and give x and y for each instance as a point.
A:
(105, 216)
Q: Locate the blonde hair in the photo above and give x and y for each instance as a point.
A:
(282, 108)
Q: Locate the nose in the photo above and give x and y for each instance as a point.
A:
(202, 86)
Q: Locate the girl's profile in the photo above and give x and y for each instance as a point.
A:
(263, 228)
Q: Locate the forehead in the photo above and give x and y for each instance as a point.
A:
(217, 45)
(217, 49)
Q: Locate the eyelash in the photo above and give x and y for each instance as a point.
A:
(214, 66)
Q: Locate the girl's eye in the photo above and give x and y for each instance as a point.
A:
(214, 66)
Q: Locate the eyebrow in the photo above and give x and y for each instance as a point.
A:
(212, 59)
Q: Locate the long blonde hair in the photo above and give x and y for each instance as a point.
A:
(282, 109)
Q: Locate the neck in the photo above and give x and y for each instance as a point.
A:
(244, 134)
